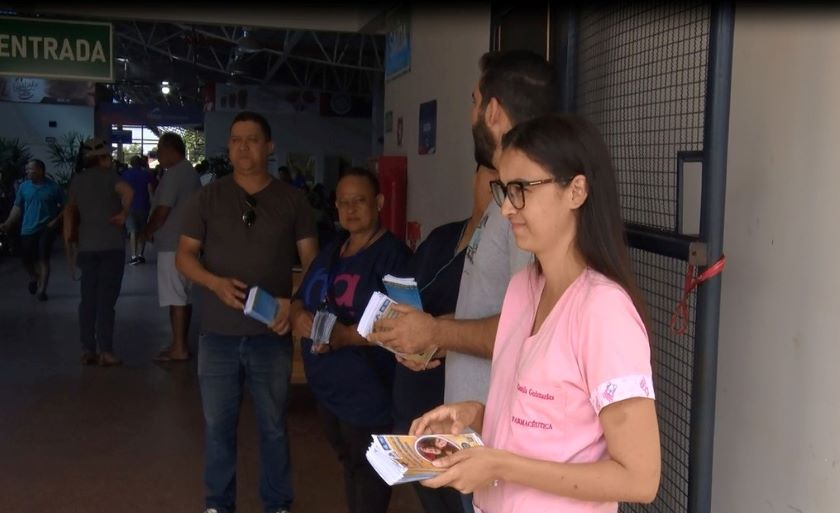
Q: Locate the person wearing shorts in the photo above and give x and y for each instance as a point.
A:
(140, 180)
(178, 184)
(38, 202)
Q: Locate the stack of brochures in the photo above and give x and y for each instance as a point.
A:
(403, 458)
(261, 305)
(322, 326)
(403, 290)
(380, 306)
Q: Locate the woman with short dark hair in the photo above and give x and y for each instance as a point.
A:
(352, 380)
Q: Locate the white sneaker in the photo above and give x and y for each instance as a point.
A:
(211, 510)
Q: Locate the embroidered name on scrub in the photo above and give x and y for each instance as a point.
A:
(533, 393)
(530, 423)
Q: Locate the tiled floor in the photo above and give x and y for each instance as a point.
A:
(128, 439)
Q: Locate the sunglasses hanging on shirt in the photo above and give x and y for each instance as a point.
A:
(249, 217)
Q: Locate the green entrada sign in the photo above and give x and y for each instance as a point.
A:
(56, 49)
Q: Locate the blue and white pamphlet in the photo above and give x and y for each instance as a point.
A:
(400, 291)
(403, 290)
(261, 305)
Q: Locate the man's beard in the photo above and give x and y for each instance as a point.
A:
(483, 143)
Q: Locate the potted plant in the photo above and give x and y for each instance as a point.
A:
(13, 158)
(63, 155)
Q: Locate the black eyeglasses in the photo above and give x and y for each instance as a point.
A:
(514, 191)
(250, 215)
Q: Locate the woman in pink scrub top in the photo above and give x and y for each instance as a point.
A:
(570, 424)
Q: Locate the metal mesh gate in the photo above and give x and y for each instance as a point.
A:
(642, 80)
(641, 77)
(661, 278)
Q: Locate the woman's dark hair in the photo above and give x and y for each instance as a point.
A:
(363, 173)
(567, 146)
(259, 119)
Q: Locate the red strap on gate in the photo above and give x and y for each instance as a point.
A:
(679, 320)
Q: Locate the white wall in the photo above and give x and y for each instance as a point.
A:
(446, 44)
(302, 132)
(29, 122)
(777, 439)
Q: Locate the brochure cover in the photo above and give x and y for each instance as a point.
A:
(404, 458)
(261, 305)
(403, 291)
(380, 307)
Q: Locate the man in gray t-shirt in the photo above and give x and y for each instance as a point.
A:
(492, 258)
(178, 184)
(249, 227)
(100, 202)
(514, 86)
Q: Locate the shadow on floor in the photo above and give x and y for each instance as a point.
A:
(128, 439)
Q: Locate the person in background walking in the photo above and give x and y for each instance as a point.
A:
(140, 180)
(100, 201)
(38, 201)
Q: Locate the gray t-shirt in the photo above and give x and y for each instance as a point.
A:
(176, 187)
(261, 254)
(94, 191)
(492, 258)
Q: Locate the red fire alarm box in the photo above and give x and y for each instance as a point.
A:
(393, 181)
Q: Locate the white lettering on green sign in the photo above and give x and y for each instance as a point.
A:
(50, 48)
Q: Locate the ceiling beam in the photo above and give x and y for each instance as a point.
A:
(249, 14)
(288, 45)
(327, 60)
(165, 53)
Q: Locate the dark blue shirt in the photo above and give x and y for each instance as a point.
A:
(139, 179)
(354, 383)
(437, 269)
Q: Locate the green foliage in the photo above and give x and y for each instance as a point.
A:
(64, 153)
(131, 150)
(193, 141)
(13, 158)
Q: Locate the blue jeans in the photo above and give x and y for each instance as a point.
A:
(102, 274)
(224, 363)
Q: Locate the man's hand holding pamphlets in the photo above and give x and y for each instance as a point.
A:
(380, 307)
(261, 305)
(269, 310)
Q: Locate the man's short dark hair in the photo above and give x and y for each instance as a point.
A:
(523, 82)
(173, 141)
(247, 115)
(135, 161)
(39, 163)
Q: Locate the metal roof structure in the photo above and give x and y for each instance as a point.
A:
(190, 56)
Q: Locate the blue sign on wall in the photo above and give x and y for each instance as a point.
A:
(121, 136)
(398, 44)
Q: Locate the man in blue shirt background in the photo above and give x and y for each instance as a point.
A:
(38, 202)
